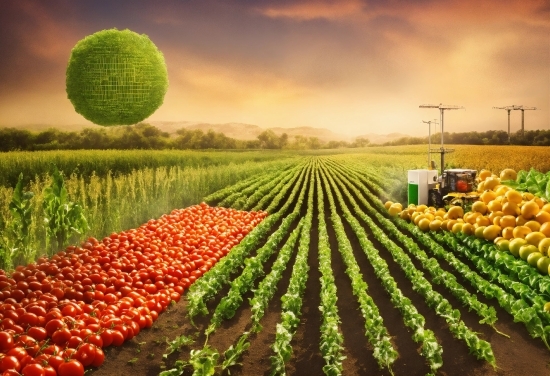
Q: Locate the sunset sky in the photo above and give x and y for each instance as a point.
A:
(350, 66)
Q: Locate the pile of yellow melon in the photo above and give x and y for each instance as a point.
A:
(517, 222)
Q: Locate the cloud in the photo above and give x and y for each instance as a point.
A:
(338, 64)
(309, 10)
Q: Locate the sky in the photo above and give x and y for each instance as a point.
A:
(351, 66)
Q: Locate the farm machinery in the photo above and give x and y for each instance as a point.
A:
(450, 187)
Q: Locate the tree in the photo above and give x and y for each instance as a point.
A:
(94, 139)
(269, 140)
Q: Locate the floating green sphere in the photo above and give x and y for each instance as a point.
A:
(116, 77)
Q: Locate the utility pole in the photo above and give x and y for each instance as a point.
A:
(442, 150)
(430, 140)
(514, 107)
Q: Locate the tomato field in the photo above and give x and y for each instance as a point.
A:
(295, 268)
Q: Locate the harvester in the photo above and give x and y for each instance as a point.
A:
(451, 187)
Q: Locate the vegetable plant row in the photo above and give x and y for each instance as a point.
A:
(345, 199)
(430, 348)
(351, 197)
(518, 288)
(386, 298)
(442, 307)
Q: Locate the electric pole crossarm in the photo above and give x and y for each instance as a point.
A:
(514, 107)
(442, 107)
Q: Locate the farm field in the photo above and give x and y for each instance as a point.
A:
(328, 282)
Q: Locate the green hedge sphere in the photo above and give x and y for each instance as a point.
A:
(116, 77)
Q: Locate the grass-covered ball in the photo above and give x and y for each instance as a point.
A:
(116, 77)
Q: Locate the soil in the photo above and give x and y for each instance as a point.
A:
(515, 356)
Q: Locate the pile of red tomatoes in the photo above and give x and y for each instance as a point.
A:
(57, 314)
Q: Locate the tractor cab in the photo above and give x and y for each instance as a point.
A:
(454, 187)
(459, 180)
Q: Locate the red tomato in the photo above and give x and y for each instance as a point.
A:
(51, 350)
(38, 333)
(61, 336)
(33, 369)
(86, 354)
(95, 339)
(6, 341)
(11, 372)
(54, 325)
(118, 338)
(49, 371)
(74, 342)
(55, 361)
(107, 337)
(68, 310)
(71, 368)
(10, 362)
(99, 357)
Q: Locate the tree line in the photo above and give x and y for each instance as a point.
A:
(529, 138)
(146, 136)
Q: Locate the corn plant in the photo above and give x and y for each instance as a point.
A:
(62, 217)
(16, 244)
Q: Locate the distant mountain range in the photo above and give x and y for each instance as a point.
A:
(375, 138)
(241, 131)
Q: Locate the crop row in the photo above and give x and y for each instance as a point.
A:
(331, 343)
(292, 299)
(354, 220)
(375, 331)
(208, 286)
(516, 296)
(430, 348)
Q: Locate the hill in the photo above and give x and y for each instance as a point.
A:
(239, 131)
(375, 138)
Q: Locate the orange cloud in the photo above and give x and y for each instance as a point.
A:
(310, 10)
(50, 39)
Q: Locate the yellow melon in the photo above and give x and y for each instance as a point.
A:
(530, 209)
(521, 231)
(480, 207)
(488, 196)
(483, 221)
(494, 205)
(533, 225)
(545, 229)
(514, 196)
(508, 232)
(491, 182)
(424, 224)
(455, 212)
(491, 232)
(508, 221)
(520, 220)
(534, 238)
(542, 217)
(435, 225)
(468, 229)
(508, 174)
(484, 174)
(511, 208)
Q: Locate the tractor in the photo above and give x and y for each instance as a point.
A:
(453, 187)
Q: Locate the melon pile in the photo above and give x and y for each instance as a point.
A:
(518, 222)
